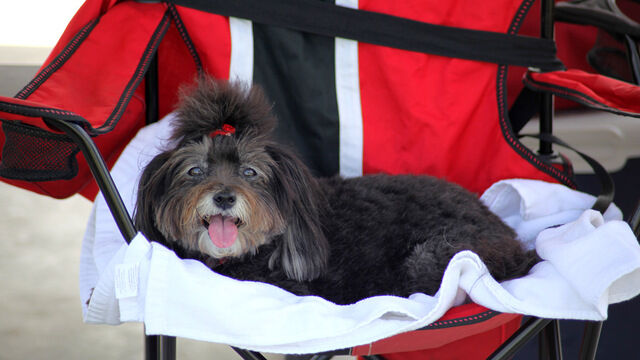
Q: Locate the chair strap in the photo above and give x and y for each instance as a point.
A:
(332, 20)
(525, 106)
(606, 182)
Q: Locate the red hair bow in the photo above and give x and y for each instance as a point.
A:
(227, 130)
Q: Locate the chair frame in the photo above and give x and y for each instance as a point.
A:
(161, 347)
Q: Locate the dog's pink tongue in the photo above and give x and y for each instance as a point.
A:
(222, 231)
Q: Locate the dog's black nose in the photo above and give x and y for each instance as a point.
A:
(224, 200)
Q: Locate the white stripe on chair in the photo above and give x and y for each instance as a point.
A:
(241, 68)
(349, 109)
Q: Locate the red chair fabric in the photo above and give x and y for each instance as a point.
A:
(405, 112)
(465, 332)
(591, 90)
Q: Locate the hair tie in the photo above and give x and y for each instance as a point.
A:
(227, 130)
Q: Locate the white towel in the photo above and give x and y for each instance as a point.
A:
(589, 262)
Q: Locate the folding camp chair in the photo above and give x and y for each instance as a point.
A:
(119, 64)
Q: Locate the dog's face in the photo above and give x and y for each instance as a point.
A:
(219, 199)
(226, 188)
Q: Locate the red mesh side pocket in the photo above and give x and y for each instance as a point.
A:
(33, 154)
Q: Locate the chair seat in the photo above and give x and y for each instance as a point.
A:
(460, 325)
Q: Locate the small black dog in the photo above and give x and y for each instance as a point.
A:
(230, 196)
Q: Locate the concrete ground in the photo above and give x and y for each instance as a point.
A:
(40, 313)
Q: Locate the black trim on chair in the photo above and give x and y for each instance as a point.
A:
(467, 320)
(185, 37)
(572, 95)
(39, 111)
(135, 80)
(505, 124)
(328, 19)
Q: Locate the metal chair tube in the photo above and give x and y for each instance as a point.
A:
(248, 355)
(100, 172)
(549, 344)
(159, 347)
(520, 338)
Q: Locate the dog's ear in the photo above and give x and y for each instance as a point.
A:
(151, 186)
(303, 252)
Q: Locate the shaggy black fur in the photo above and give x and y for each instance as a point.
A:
(341, 239)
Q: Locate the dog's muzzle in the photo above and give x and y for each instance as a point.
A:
(224, 200)
(221, 225)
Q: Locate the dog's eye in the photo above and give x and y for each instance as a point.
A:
(195, 171)
(249, 173)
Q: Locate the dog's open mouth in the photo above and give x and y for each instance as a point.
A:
(223, 230)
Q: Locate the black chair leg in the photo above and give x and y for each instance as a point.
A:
(156, 346)
(321, 357)
(549, 344)
(159, 347)
(590, 339)
(248, 355)
(520, 338)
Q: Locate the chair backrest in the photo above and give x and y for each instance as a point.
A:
(357, 108)
(350, 108)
